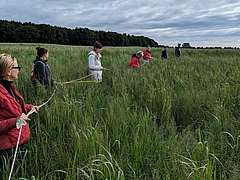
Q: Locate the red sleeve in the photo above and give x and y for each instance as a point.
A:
(134, 63)
(28, 107)
(7, 125)
(145, 55)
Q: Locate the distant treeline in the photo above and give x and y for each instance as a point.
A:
(17, 32)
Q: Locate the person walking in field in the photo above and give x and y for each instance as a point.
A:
(135, 61)
(147, 55)
(41, 69)
(178, 51)
(94, 62)
(164, 53)
(12, 110)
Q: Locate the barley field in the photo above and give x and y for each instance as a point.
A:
(173, 119)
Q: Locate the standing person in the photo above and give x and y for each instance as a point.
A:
(164, 53)
(178, 51)
(135, 61)
(12, 110)
(94, 62)
(147, 55)
(41, 69)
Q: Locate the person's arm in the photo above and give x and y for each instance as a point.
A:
(134, 63)
(40, 73)
(91, 63)
(145, 55)
(49, 75)
(28, 107)
(7, 124)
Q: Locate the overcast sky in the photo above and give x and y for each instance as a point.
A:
(168, 22)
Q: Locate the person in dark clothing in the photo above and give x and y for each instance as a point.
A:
(41, 69)
(164, 53)
(178, 51)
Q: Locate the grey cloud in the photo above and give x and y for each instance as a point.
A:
(167, 22)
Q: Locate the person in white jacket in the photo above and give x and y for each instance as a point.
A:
(94, 62)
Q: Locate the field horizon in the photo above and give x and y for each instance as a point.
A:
(171, 119)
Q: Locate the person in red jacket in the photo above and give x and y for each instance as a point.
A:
(147, 55)
(12, 110)
(135, 61)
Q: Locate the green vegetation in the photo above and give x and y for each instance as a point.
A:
(17, 32)
(173, 119)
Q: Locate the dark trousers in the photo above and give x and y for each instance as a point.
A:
(6, 159)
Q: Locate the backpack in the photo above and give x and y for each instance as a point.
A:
(33, 74)
(33, 77)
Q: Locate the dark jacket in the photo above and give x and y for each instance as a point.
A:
(177, 52)
(42, 71)
(164, 54)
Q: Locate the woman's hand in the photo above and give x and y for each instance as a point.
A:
(23, 117)
(36, 109)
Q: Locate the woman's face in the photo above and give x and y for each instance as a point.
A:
(13, 73)
(98, 50)
(45, 56)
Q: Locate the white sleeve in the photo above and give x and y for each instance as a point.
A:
(92, 64)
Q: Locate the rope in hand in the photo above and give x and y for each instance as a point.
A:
(19, 124)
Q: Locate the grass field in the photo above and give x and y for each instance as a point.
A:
(174, 119)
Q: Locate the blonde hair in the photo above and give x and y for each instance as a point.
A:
(139, 53)
(6, 64)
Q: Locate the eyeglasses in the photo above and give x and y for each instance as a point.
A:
(17, 67)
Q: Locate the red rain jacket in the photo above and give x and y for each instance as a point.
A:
(10, 109)
(147, 55)
(135, 62)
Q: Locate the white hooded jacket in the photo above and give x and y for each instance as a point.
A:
(94, 62)
(94, 65)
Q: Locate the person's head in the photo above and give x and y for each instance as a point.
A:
(139, 54)
(97, 47)
(42, 53)
(9, 67)
(165, 47)
(149, 48)
(179, 45)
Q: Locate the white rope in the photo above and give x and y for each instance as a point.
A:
(19, 124)
(15, 154)
(73, 81)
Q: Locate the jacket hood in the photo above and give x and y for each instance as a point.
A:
(95, 54)
(38, 59)
(92, 53)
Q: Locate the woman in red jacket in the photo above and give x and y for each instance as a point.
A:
(12, 109)
(135, 61)
(147, 55)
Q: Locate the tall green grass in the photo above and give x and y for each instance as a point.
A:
(173, 119)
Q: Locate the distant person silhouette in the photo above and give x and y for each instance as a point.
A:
(164, 53)
(178, 51)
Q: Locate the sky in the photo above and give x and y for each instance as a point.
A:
(202, 23)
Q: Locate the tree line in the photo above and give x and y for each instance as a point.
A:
(27, 32)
